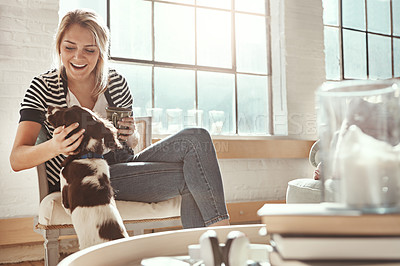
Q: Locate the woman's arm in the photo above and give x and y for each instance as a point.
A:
(130, 135)
(25, 154)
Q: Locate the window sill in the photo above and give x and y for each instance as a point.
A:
(258, 147)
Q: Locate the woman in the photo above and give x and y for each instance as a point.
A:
(83, 78)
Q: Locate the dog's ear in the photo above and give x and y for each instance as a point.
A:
(55, 116)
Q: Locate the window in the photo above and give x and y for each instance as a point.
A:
(192, 62)
(362, 39)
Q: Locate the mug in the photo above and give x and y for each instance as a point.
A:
(115, 114)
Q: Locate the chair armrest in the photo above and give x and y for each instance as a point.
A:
(313, 157)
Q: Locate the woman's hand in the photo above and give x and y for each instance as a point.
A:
(64, 145)
(126, 128)
(128, 133)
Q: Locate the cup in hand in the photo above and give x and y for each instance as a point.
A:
(115, 114)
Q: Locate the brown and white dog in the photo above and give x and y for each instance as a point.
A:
(85, 178)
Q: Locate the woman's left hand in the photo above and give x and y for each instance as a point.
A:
(128, 128)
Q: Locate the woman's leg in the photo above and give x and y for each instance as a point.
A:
(194, 148)
(199, 183)
(154, 182)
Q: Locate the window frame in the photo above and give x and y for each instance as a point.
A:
(341, 28)
(269, 75)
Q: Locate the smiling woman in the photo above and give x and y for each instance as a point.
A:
(84, 79)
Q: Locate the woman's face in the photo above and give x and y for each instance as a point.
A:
(79, 53)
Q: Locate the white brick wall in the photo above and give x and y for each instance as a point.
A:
(305, 58)
(26, 42)
(27, 28)
(259, 179)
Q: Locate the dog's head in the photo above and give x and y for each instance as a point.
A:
(98, 132)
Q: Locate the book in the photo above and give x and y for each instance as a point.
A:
(326, 219)
(337, 247)
(276, 259)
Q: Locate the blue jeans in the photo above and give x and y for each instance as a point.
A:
(183, 164)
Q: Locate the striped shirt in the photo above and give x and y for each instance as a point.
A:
(50, 89)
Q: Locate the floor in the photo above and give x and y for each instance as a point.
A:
(26, 263)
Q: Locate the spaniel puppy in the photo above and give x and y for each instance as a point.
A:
(85, 178)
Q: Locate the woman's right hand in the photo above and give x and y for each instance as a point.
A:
(64, 145)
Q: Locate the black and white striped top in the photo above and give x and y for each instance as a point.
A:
(50, 89)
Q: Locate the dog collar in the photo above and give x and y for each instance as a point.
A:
(92, 155)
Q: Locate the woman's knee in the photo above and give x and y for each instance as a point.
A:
(197, 133)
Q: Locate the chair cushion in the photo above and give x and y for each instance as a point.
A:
(51, 211)
(304, 190)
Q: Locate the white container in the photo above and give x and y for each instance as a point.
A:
(359, 129)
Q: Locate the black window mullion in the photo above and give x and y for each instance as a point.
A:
(108, 21)
(234, 65)
(196, 88)
(152, 88)
(108, 14)
(391, 35)
(366, 36)
(341, 61)
(153, 44)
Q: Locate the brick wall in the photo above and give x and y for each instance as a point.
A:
(26, 36)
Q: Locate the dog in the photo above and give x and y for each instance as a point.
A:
(85, 177)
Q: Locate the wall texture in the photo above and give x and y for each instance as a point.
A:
(27, 28)
(26, 36)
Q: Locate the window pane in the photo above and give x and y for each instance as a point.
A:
(214, 38)
(189, 2)
(212, 3)
(130, 29)
(254, 6)
(378, 16)
(396, 17)
(396, 57)
(353, 14)
(216, 93)
(252, 104)
(139, 81)
(174, 33)
(331, 12)
(379, 56)
(354, 50)
(332, 53)
(100, 6)
(173, 89)
(251, 52)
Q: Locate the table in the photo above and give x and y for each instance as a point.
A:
(130, 251)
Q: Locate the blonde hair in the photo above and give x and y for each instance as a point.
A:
(90, 20)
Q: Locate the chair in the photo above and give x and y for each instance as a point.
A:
(53, 222)
(306, 190)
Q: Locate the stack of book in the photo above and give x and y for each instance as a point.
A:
(329, 234)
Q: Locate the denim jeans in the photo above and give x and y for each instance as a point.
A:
(183, 164)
